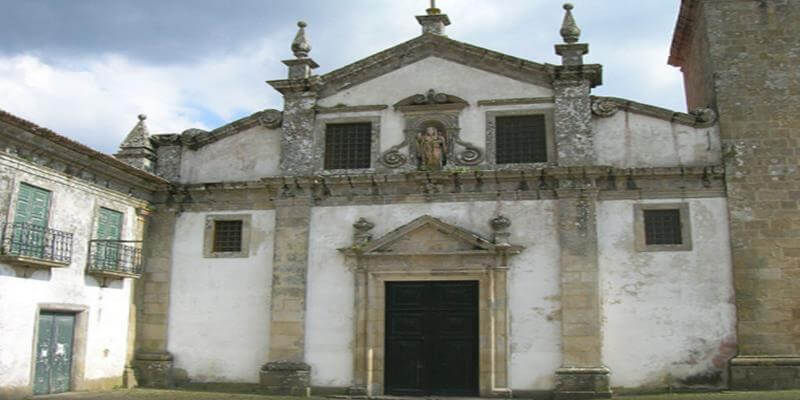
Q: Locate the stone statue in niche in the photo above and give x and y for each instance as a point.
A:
(431, 149)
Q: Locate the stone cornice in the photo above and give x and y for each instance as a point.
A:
(608, 106)
(289, 86)
(197, 138)
(349, 109)
(684, 30)
(516, 101)
(591, 72)
(43, 147)
(607, 183)
(433, 45)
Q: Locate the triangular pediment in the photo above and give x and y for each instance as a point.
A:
(430, 45)
(429, 235)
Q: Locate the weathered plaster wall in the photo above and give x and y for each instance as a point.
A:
(219, 307)
(533, 284)
(443, 76)
(668, 317)
(248, 155)
(73, 209)
(630, 140)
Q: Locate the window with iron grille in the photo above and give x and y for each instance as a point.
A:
(520, 139)
(662, 227)
(348, 146)
(227, 236)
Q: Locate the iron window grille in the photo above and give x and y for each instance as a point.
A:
(34, 241)
(227, 236)
(118, 256)
(520, 139)
(662, 227)
(348, 146)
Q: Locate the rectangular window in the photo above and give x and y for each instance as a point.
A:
(348, 146)
(227, 236)
(520, 139)
(662, 227)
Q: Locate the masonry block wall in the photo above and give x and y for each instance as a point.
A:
(742, 58)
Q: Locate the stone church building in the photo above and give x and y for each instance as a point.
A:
(435, 219)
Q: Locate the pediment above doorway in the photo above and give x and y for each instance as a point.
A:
(430, 236)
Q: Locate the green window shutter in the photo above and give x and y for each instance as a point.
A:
(109, 224)
(109, 227)
(33, 204)
(28, 236)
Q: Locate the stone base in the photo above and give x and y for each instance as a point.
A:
(286, 378)
(129, 377)
(153, 370)
(574, 383)
(765, 373)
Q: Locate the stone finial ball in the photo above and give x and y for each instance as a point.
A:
(142, 117)
(302, 24)
(568, 6)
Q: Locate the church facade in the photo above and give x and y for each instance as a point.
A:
(435, 219)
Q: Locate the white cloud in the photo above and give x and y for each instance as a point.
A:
(96, 100)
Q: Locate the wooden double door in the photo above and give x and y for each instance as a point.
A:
(54, 353)
(432, 338)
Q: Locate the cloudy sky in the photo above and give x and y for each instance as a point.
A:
(86, 68)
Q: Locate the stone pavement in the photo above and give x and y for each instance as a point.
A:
(149, 394)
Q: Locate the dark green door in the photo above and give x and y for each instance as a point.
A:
(30, 221)
(54, 353)
(109, 227)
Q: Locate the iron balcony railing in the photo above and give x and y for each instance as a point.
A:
(37, 242)
(115, 256)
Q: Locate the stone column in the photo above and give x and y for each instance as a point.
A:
(582, 374)
(152, 362)
(129, 376)
(298, 156)
(573, 82)
(286, 372)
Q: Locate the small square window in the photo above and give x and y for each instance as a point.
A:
(227, 236)
(521, 139)
(662, 227)
(348, 146)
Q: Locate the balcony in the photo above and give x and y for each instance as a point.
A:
(115, 259)
(33, 246)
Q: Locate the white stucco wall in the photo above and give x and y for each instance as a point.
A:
(248, 155)
(628, 140)
(667, 316)
(73, 206)
(218, 328)
(445, 76)
(533, 280)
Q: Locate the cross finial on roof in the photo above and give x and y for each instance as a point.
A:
(433, 10)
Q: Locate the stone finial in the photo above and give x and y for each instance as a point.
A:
(301, 66)
(300, 46)
(139, 136)
(569, 29)
(137, 150)
(361, 234)
(500, 225)
(434, 21)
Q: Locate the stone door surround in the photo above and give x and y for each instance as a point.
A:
(428, 249)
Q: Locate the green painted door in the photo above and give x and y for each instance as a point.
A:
(54, 353)
(109, 227)
(30, 221)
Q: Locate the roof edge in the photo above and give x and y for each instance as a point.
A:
(684, 30)
(78, 147)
